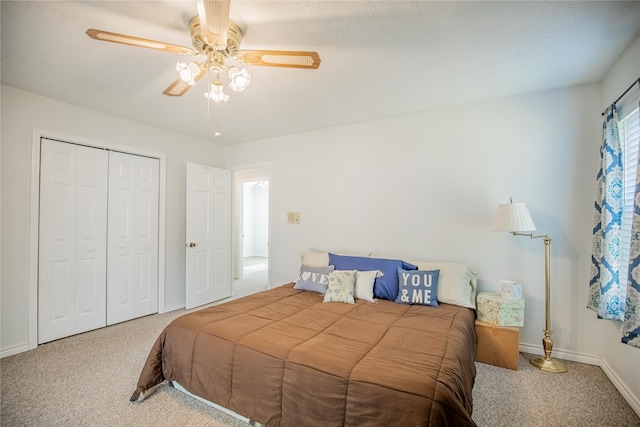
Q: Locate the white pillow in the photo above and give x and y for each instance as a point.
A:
(314, 259)
(457, 283)
(364, 284)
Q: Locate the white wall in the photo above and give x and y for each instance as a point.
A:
(22, 112)
(620, 357)
(256, 220)
(426, 186)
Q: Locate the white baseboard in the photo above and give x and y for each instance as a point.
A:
(618, 383)
(21, 348)
(172, 307)
(562, 354)
(182, 304)
(634, 401)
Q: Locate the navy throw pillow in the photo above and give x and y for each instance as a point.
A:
(418, 287)
(385, 287)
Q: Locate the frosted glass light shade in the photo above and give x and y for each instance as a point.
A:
(240, 79)
(513, 217)
(216, 93)
(188, 73)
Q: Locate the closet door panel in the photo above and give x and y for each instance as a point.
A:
(72, 255)
(91, 237)
(57, 313)
(147, 234)
(57, 236)
(132, 289)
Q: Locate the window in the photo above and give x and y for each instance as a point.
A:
(629, 131)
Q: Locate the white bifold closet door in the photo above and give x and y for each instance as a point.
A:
(132, 257)
(73, 233)
(98, 238)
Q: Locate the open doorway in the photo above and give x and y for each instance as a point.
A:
(251, 235)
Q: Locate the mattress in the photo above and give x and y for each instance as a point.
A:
(282, 357)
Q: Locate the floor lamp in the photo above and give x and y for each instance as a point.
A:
(515, 218)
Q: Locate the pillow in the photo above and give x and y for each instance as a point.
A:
(314, 279)
(341, 287)
(457, 283)
(364, 284)
(318, 259)
(385, 287)
(418, 287)
(314, 259)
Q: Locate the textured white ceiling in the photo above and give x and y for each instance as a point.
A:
(379, 58)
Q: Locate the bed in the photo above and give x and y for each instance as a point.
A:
(286, 357)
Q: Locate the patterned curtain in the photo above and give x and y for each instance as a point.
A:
(631, 324)
(606, 295)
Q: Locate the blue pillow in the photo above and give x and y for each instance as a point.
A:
(418, 287)
(385, 287)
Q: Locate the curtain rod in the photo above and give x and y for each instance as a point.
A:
(624, 93)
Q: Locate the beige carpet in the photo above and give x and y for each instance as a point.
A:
(583, 396)
(87, 379)
(254, 278)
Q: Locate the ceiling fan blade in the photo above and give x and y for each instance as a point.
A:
(214, 21)
(179, 87)
(137, 41)
(280, 58)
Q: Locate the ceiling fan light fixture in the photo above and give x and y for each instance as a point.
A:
(216, 93)
(217, 38)
(188, 73)
(240, 79)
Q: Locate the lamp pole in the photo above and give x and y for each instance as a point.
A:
(546, 363)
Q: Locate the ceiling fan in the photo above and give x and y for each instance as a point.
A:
(216, 40)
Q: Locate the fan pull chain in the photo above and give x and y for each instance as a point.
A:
(208, 104)
(217, 132)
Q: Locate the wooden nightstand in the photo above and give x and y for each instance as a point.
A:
(498, 345)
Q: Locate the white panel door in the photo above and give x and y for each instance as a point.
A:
(208, 232)
(132, 242)
(72, 252)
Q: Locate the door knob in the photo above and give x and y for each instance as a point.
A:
(191, 245)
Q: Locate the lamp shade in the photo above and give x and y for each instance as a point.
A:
(513, 217)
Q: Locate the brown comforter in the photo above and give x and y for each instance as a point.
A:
(282, 357)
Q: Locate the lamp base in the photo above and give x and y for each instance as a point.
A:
(548, 365)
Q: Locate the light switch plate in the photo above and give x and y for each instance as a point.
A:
(293, 217)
